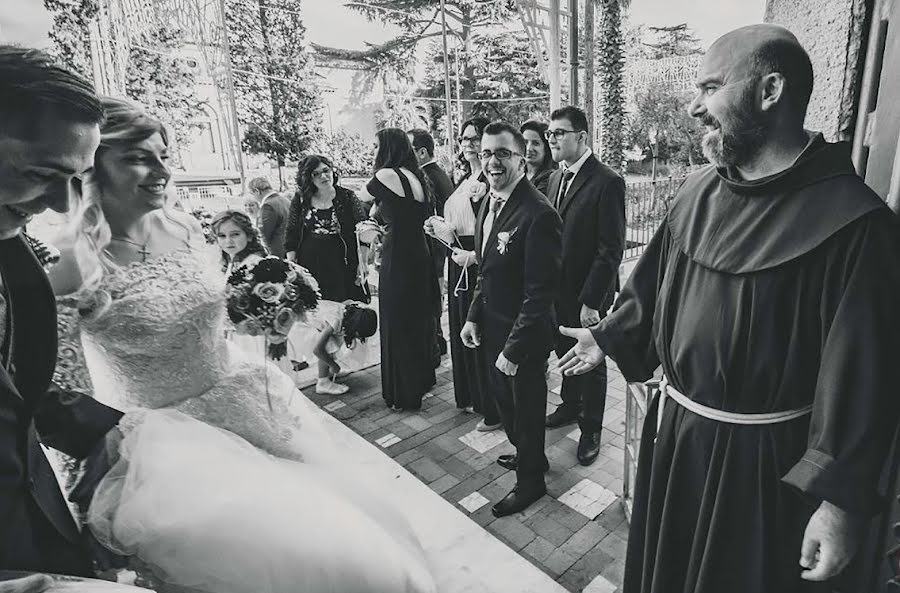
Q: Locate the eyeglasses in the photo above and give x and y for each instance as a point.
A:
(502, 154)
(469, 139)
(322, 173)
(559, 133)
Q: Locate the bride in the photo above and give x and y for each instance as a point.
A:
(216, 489)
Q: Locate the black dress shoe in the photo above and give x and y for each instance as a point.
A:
(510, 461)
(518, 500)
(588, 447)
(561, 416)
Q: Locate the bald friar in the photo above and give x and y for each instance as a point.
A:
(770, 297)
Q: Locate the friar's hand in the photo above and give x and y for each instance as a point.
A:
(505, 366)
(584, 355)
(36, 583)
(470, 335)
(829, 542)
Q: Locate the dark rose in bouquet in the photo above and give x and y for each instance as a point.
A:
(268, 298)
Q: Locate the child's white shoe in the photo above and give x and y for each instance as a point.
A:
(329, 387)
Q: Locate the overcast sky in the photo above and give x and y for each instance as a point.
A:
(330, 23)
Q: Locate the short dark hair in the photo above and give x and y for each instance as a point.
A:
(422, 139)
(33, 84)
(576, 117)
(789, 59)
(498, 127)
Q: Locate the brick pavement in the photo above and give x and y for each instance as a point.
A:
(576, 533)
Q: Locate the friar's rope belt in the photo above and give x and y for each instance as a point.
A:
(666, 392)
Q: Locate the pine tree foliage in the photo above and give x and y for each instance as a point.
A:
(277, 93)
(70, 34)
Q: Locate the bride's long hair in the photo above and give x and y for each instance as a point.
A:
(126, 123)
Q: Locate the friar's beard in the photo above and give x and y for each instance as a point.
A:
(739, 139)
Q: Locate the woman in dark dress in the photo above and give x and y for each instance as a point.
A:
(538, 159)
(408, 294)
(461, 212)
(321, 231)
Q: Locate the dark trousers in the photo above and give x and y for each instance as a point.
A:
(522, 403)
(583, 394)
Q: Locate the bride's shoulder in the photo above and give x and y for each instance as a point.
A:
(183, 219)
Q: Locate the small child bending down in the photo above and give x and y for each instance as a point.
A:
(342, 327)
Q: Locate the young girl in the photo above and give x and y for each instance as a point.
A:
(237, 238)
(342, 327)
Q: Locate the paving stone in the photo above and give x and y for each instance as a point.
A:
(434, 451)
(586, 569)
(443, 483)
(552, 531)
(569, 517)
(613, 545)
(460, 469)
(408, 457)
(600, 585)
(426, 470)
(559, 562)
(484, 441)
(473, 502)
(613, 516)
(388, 440)
(539, 549)
(588, 498)
(585, 539)
(363, 426)
(513, 532)
(417, 423)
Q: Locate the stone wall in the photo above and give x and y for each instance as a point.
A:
(833, 32)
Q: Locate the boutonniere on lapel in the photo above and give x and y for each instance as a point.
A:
(503, 239)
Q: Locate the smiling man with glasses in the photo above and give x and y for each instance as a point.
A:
(511, 317)
(590, 198)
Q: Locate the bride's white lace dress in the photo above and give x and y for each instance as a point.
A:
(265, 505)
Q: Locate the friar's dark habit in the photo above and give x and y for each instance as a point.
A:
(757, 297)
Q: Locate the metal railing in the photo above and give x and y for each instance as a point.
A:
(646, 205)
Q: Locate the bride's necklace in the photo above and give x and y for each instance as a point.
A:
(142, 247)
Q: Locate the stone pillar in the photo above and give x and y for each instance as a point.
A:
(833, 32)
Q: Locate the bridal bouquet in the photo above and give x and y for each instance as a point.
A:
(268, 298)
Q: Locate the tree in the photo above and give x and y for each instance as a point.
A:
(350, 153)
(70, 34)
(662, 112)
(610, 67)
(420, 21)
(163, 81)
(504, 67)
(675, 40)
(278, 99)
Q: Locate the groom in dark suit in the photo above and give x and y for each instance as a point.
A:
(48, 135)
(590, 198)
(517, 241)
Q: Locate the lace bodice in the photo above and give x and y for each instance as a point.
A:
(153, 336)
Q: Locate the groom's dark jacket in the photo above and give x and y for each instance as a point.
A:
(37, 532)
(518, 281)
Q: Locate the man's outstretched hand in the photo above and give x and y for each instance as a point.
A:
(584, 355)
